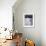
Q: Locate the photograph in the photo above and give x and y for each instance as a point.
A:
(28, 20)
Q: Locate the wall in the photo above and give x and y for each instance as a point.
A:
(43, 22)
(29, 6)
(6, 13)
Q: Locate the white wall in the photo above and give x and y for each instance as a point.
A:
(6, 13)
(29, 6)
(43, 22)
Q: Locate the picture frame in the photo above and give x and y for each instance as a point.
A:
(28, 20)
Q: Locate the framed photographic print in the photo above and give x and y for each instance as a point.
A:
(28, 20)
